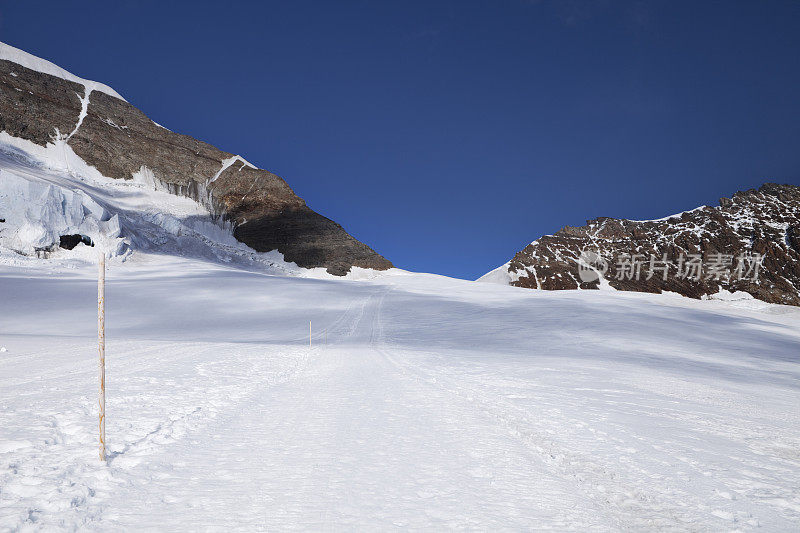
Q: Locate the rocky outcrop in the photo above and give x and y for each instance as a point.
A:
(750, 243)
(120, 141)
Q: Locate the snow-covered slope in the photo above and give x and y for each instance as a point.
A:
(499, 275)
(424, 403)
(49, 192)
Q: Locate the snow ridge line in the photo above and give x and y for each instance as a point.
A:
(32, 62)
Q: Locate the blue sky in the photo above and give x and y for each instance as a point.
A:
(449, 134)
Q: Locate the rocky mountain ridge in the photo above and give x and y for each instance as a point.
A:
(749, 243)
(42, 103)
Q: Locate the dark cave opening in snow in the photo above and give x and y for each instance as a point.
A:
(71, 241)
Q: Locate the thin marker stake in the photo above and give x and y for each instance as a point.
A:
(101, 348)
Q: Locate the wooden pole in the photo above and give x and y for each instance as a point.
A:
(101, 348)
(309, 334)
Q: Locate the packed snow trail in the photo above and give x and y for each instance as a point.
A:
(351, 442)
(435, 404)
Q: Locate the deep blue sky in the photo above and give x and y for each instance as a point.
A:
(449, 134)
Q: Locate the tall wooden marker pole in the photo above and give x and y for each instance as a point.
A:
(309, 334)
(101, 348)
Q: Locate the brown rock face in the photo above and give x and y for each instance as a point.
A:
(727, 241)
(118, 140)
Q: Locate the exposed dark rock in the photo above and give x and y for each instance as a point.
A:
(68, 242)
(763, 223)
(322, 241)
(119, 140)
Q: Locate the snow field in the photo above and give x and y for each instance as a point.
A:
(436, 404)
